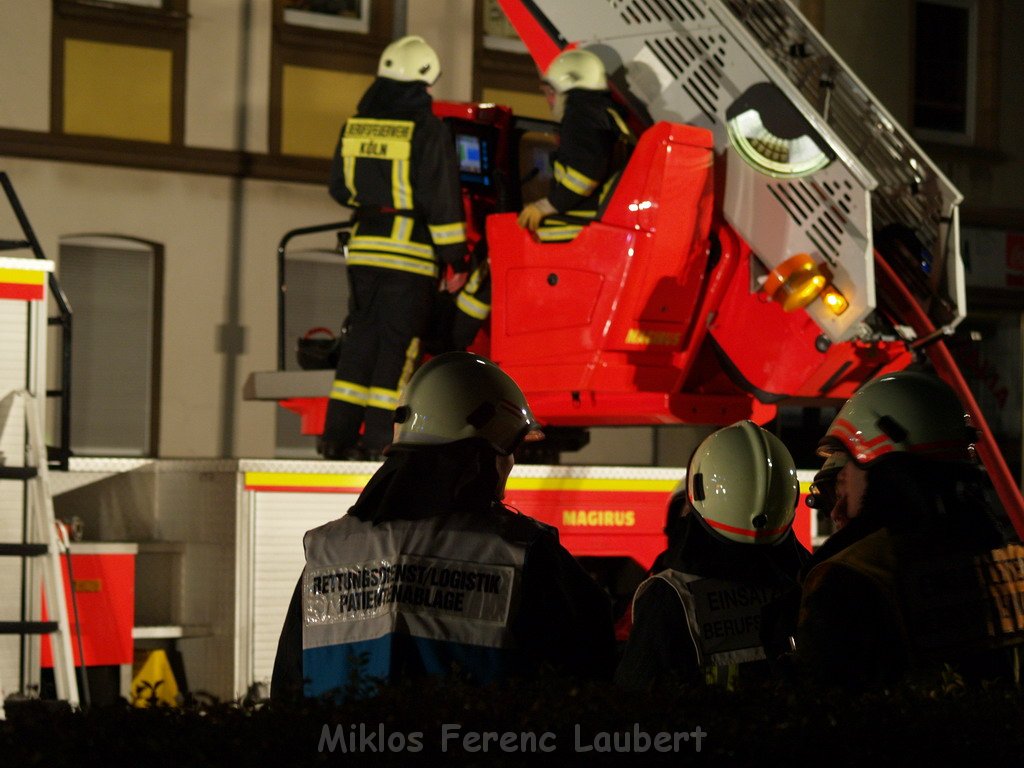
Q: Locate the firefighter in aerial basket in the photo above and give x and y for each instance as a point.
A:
(594, 144)
(918, 576)
(395, 165)
(734, 553)
(429, 573)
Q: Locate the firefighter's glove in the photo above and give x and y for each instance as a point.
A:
(453, 281)
(530, 217)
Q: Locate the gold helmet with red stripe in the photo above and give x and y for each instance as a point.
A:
(904, 412)
(461, 396)
(742, 482)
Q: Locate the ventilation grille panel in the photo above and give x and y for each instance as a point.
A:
(657, 11)
(696, 62)
(821, 210)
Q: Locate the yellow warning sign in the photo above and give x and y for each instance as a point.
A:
(154, 685)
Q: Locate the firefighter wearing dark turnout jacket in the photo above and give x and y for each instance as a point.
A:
(395, 165)
(733, 554)
(918, 579)
(428, 573)
(593, 143)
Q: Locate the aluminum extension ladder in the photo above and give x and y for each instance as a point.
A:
(40, 550)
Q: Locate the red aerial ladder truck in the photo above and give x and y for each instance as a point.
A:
(775, 237)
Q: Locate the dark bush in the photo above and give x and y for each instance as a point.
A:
(406, 725)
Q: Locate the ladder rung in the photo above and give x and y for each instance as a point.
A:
(14, 245)
(27, 627)
(18, 473)
(23, 550)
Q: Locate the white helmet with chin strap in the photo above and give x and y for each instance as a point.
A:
(459, 396)
(576, 68)
(571, 70)
(742, 482)
(410, 59)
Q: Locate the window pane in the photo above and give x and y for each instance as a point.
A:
(111, 296)
(941, 67)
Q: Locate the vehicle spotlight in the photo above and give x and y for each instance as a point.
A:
(833, 300)
(772, 136)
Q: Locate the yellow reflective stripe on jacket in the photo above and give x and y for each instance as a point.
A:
(573, 180)
(349, 392)
(473, 284)
(349, 165)
(606, 188)
(627, 135)
(557, 234)
(401, 229)
(377, 139)
(382, 398)
(401, 186)
(412, 356)
(404, 248)
(448, 234)
(472, 306)
(391, 261)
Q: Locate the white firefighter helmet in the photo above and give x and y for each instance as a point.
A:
(903, 412)
(410, 59)
(457, 396)
(742, 482)
(576, 68)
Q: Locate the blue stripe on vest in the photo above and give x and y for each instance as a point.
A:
(331, 669)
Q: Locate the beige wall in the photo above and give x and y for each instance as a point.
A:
(212, 72)
(189, 215)
(448, 26)
(24, 65)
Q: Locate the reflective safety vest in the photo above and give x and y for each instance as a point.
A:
(724, 619)
(401, 597)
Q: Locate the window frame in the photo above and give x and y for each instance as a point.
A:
(318, 48)
(123, 23)
(497, 68)
(981, 79)
(145, 249)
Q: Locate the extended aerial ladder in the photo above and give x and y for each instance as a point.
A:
(825, 207)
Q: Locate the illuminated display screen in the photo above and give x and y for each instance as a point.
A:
(474, 161)
(470, 154)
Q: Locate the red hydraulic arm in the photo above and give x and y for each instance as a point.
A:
(902, 300)
(539, 39)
